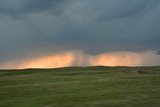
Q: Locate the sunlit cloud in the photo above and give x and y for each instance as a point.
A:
(53, 61)
(78, 58)
(117, 59)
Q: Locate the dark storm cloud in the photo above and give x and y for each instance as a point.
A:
(158, 52)
(23, 7)
(94, 26)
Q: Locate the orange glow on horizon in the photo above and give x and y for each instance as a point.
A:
(68, 59)
(55, 61)
(117, 59)
(78, 58)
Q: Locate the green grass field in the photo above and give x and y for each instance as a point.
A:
(81, 87)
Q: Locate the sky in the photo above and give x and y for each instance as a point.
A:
(60, 33)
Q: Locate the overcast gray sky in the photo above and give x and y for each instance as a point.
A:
(30, 28)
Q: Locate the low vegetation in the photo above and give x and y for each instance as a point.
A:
(81, 87)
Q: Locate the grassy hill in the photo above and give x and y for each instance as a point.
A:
(81, 87)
